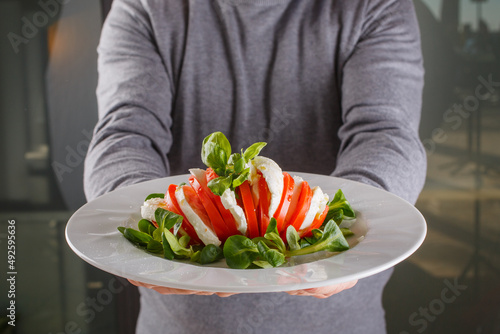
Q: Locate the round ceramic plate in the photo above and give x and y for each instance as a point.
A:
(387, 230)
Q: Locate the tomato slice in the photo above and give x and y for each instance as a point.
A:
(210, 174)
(173, 206)
(317, 222)
(219, 226)
(301, 208)
(227, 216)
(264, 202)
(249, 208)
(286, 199)
(197, 206)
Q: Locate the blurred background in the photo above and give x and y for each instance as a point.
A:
(48, 110)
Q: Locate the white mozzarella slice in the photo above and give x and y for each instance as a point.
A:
(149, 207)
(318, 202)
(199, 174)
(228, 199)
(206, 235)
(273, 175)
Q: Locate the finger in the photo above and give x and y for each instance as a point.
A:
(331, 289)
(323, 292)
(224, 294)
(134, 282)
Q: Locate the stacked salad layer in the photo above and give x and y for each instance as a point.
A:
(243, 208)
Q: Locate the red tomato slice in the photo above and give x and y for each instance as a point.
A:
(302, 206)
(227, 216)
(291, 209)
(210, 174)
(263, 208)
(197, 206)
(249, 208)
(293, 203)
(317, 222)
(286, 198)
(220, 228)
(173, 206)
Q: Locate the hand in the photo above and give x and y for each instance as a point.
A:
(172, 291)
(323, 292)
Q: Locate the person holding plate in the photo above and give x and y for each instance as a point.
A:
(333, 87)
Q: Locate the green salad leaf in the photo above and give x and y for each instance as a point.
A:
(137, 237)
(166, 220)
(339, 208)
(240, 252)
(210, 253)
(331, 240)
(273, 256)
(273, 235)
(146, 226)
(293, 239)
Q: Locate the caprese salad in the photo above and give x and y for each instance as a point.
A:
(243, 208)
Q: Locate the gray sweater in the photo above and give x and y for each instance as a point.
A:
(333, 86)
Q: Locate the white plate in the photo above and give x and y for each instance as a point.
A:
(388, 230)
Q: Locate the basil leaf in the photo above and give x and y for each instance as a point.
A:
(155, 195)
(215, 151)
(292, 237)
(240, 252)
(220, 184)
(241, 178)
(234, 158)
(274, 257)
(239, 165)
(253, 151)
(210, 253)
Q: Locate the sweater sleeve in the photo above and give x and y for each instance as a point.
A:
(382, 82)
(132, 137)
